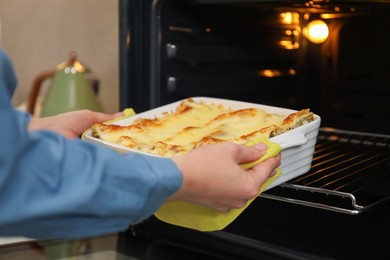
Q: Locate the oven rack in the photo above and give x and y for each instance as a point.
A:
(350, 173)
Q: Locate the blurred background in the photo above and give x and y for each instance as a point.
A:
(40, 34)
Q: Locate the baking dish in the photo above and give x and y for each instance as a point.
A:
(297, 144)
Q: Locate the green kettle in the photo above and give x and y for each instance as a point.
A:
(70, 89)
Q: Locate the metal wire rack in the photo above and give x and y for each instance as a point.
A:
(350, 173)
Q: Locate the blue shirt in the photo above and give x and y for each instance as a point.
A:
(53, 187)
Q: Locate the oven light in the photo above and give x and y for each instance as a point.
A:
(316, 31)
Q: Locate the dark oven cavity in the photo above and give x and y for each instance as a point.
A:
(257, 51)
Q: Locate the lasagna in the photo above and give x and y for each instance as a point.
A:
(194, 124)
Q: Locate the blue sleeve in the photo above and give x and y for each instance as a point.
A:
(53, 187)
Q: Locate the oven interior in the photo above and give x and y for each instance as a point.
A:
(263, 52)
(257, 51)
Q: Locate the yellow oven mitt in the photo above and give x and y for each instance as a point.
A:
(202, 218)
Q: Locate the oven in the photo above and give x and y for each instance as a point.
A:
(330, 56)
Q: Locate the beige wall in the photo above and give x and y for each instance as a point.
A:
(39, 34)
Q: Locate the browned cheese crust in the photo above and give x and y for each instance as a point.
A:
(194, 124)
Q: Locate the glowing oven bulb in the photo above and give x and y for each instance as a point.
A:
(316, 31)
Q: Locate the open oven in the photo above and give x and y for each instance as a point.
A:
(267, 52)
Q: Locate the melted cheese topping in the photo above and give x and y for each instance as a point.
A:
(226, 126)
(194, 124)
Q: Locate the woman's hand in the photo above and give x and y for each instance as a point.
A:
(213, 177)
(70, 124)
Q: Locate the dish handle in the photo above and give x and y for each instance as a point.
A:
(291, 141)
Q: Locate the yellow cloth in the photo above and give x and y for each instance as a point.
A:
(127, 112)
(202, 218)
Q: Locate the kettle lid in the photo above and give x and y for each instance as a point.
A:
(73, 64)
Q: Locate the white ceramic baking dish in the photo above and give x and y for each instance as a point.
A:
(297, 144)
